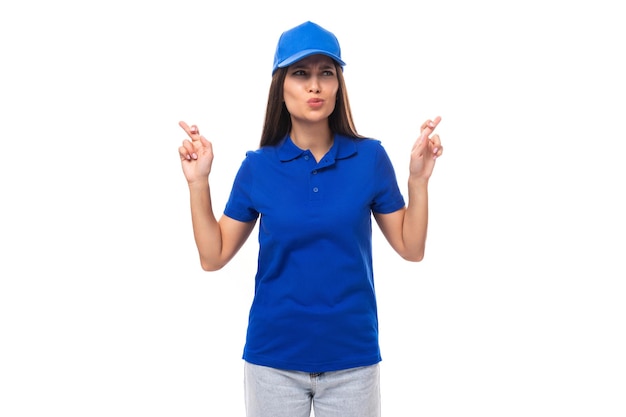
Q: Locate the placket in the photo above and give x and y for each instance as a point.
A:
(315, 186)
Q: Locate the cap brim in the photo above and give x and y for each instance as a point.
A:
(303, 54)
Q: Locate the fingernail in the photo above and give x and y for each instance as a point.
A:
(187, 157)
(431, 124)
(194, 155)
(435, 150)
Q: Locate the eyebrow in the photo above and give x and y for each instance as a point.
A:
(298, 65)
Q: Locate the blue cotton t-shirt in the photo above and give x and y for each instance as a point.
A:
(314, 306)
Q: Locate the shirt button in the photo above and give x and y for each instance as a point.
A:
(315, 189)
(306, 157)
(315, 172)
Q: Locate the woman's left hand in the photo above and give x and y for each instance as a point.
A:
(426, 150)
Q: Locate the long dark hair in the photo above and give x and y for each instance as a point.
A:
(278, 121)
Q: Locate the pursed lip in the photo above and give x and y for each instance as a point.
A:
(315, 101)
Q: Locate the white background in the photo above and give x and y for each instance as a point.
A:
(518, 308)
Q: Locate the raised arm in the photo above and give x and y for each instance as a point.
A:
(217, 241)
(406, 229)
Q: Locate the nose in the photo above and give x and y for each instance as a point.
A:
(314, 86)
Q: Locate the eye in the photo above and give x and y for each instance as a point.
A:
(299, 72)
(328, 73)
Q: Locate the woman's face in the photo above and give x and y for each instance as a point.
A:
(310, 89)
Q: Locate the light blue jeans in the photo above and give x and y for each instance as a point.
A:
(274, 392)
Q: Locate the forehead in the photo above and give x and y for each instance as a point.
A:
(314, 60)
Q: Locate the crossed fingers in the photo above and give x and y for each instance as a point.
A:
(188, 148)
(192, 131)
(427, 128)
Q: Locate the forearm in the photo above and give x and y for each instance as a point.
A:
(206, 229)
(415, 224)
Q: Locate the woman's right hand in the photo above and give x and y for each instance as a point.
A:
(196, 154)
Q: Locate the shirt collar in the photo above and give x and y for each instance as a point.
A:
(343, 147)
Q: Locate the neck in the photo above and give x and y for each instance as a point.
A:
(318, 139)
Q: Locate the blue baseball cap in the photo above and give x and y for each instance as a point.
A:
(304, 40)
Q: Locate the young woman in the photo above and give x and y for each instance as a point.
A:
(314, 185)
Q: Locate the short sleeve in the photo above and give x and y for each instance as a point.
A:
(240, 204)
(387, 197)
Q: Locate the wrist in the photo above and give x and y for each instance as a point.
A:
(199, 184)
(418, 182)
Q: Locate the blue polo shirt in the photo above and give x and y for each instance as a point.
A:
(314, 306)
